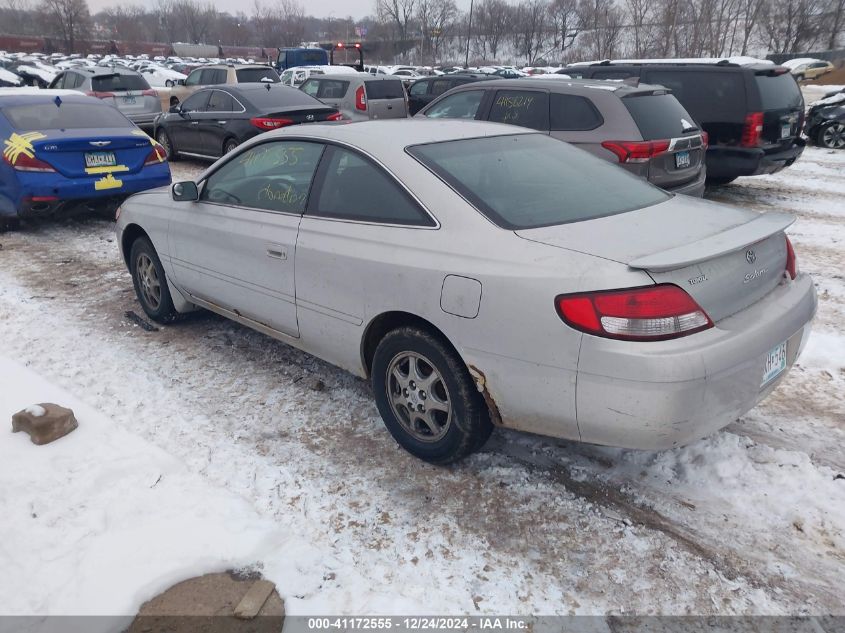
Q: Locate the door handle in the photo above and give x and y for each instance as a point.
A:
(222, 122)
(195, 122)
(276, 252)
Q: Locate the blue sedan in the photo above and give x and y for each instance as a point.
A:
(64, 151)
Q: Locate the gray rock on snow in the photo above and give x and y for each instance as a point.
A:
(44, 422)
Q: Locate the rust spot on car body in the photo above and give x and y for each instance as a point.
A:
(481, 384)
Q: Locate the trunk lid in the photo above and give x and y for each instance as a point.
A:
(386, 99)
(303, 115)
(727, 259)
(66, 150)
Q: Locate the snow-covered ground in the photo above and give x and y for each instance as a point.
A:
(203, 445)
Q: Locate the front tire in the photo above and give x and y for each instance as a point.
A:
(832, 136)
(427, 398)
(168, 83)
(799, 77)
(150, 282)
(229, 146)
(163, 139)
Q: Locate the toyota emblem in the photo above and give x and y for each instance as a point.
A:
(750, 257)
(309, 117)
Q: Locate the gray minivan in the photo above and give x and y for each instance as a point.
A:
(643, 128)
(360, 97)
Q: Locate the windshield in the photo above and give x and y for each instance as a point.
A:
(252, 75)
(504, 179)
(118, 83)
(779, 91)
(68, 116)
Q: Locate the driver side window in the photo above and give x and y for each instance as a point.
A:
(274, 176)
(193, 79)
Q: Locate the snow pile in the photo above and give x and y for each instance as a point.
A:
(36, 410)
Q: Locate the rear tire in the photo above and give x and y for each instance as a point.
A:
(163, 139)
(832, 136)
(229, 146)
(718, 182)
(431, 408)
(150, 282)
(799, 77)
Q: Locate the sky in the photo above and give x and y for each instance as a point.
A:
(318, 8)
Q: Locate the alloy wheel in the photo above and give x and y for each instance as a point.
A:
(833, 136)
(418, 396)
(148, 281)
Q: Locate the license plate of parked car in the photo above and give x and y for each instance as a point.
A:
(682, 159)
(786, 130)
(129, 100)
(100, 159)
(775, 363)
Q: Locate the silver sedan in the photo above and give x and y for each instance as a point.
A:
(481, 275)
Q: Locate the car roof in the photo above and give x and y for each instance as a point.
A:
(582, 86)
(32, 96)
(117, 69)
(235, 66)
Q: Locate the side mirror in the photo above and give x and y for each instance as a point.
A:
(180, 82)
(175, 109)
(185, 191)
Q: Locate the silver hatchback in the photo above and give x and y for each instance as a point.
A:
(360, 97)
(642, 128)
(125, 89)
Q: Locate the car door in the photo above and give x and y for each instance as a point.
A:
(184, 128)
(355, 209)
(418, 95)
(214, 121)
(234, 247)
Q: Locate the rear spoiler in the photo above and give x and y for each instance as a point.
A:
(758, 229)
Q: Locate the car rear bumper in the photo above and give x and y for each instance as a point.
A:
(693, 188)
(730, 162)
(665, 394)
(47, 195)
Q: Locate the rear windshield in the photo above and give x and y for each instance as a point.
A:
(251, 75)
(502, 177)
(385, 89)
(778, 92)
(279, 96)
(118, 83)
(68, 116)
(659, 116)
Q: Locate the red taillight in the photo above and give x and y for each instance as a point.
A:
(266, 123)
(158, 155)
(100, 95)
(651, 313)
(24, 162)
(337, 116)
(42, 198)
(636, 151)
(752, 130)
(705, 140)
(360, 99)
(791, 261)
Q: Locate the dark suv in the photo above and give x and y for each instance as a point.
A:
(644, 129)
(753, 114)
(424, 91)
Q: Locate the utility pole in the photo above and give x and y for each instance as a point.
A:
(469, 33)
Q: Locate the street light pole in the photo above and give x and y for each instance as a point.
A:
(469, 33)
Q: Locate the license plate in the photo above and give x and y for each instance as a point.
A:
(100, 159)
(682, 159)
(775, 364)
(786, 130)
(129, 100)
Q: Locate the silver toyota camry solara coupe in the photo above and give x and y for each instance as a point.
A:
(483, 275)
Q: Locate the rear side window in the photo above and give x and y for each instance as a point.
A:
(252, 75)
(354, 188)
(385, 89)
(610, 73)
(461, 105)
(659, 116)
(118, 83)
(70, 116)
(439, 86)
(419, 88)
(221, 102)
(572, 113)
(716, 96)
(525, 108)
(213, 76)
(331, 88)
(778, 92)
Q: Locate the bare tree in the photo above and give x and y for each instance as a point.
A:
(639, 14)
(67, 18)
(437, 23)
(292, 17)
(491, 23)
(792, 26)
(529, 29)
(602, 24)
(565, 22)
(836, 22)
(15, 14)
(397, 12)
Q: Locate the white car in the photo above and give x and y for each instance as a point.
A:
(159, 76)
